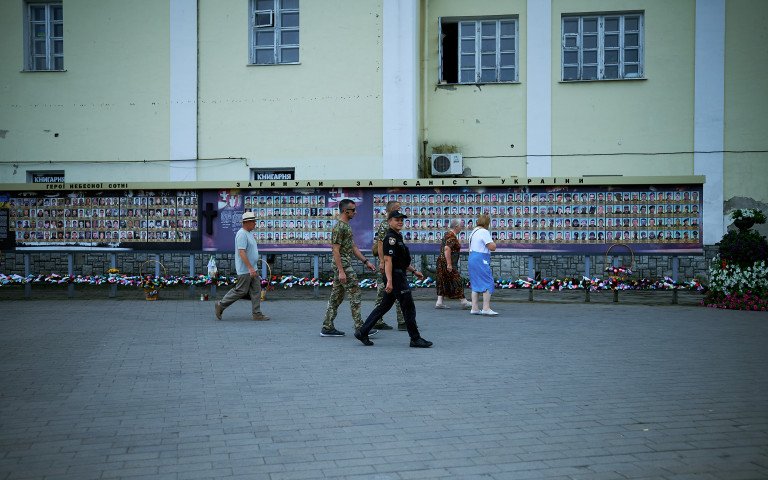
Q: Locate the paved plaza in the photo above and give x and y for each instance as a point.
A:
(113, 388)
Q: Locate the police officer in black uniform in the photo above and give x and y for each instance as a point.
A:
(397, 263)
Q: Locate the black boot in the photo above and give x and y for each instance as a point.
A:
(420, 343)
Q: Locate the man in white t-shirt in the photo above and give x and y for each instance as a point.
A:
(248, 279)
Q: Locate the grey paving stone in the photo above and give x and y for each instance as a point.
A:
(125, 472)
(185, 467)
(296, 475)
(147, 390)
(156, 476)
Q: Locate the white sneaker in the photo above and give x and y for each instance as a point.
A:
(488, 312)
(475, 312)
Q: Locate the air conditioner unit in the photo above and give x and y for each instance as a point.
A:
(447, 164)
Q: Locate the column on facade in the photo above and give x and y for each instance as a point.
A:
(183, 90)
(400, 152)
(709, 113)
(539, 88)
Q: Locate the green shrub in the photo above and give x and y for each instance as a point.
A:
(743, 248)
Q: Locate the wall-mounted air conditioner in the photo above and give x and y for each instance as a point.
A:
(447, 164)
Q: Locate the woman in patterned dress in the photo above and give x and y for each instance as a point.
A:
(449, 282)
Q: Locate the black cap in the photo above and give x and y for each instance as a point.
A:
(396, 214)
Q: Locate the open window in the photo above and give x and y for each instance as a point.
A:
(475, 51)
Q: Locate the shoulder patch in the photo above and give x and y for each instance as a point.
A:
(392, 240)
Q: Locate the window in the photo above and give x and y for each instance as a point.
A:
(602, 47)
(45, 45)
(274, 31)
(478, 51)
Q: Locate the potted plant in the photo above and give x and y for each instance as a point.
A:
(445, 148)
(747, 218)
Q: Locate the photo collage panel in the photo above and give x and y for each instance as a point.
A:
(625, 216)
(80, 219)
(291, 219)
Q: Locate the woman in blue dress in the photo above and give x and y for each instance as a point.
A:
(480, 276)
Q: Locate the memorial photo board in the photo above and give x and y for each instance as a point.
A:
(524, 218)
(585, 219)
(166, 220)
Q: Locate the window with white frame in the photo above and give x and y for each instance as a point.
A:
(274, 31)
(45, 40)
(602, 47)
(478, 51)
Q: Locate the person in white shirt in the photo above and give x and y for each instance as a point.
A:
(480, 276)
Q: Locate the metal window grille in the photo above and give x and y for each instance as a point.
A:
(487, 51)
(602, 47)
(274, 32)
(46, 36)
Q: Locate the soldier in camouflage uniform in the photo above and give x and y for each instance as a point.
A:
(378, 252)
(344, 277)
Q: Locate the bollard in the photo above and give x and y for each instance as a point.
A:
(316, 274)
(674, 296)
(530, 295)
(112, 264)
(586, 295)
(615, 295)
(27, 285)
(70, 272)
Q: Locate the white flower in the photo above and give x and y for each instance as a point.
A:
(734, 279)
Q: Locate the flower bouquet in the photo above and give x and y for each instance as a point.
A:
(150, 283)
(151, 287)
(619, 272)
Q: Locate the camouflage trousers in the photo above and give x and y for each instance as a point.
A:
(381, 283)
(337, 296)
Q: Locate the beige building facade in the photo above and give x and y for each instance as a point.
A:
(204, 90)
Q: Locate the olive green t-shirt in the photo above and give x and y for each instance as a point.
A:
(342, 235)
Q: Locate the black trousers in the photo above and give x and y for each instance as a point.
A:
(402, 293)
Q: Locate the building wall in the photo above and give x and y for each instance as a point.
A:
(628, 116)
(323, 116)
(746, 104)
(482, 121)
(110, 104)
